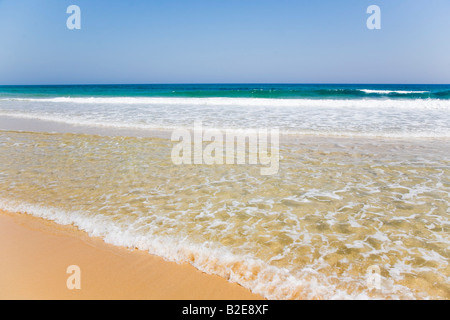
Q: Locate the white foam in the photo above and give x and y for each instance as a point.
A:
(258, 276)
(385, 118)
(251, 102)
(132, 125)
(254, 274)
(391, 91)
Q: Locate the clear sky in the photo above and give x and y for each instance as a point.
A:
(224, 41)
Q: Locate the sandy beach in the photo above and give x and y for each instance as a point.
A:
(35, 254)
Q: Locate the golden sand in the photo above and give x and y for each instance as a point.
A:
(35, 254)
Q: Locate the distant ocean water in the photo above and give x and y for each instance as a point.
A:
(363, 181)
(331, 110)
(268, 91)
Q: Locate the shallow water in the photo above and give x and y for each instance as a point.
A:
(336, 207)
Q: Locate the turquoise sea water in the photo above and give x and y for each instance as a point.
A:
(272, 91)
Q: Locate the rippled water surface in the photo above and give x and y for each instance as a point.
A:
(336, 207)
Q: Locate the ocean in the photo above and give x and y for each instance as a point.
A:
(330, 110)
(363, 181)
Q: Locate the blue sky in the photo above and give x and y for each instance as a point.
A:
(224, 41)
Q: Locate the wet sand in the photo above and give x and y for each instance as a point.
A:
(35, 254)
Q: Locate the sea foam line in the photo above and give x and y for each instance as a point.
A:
(251, 102)
(79, 122)
(259, 277)
(391, 91)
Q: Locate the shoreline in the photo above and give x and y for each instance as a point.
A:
(11, 123)
(37, 252)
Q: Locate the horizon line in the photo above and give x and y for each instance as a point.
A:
(220, 83)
